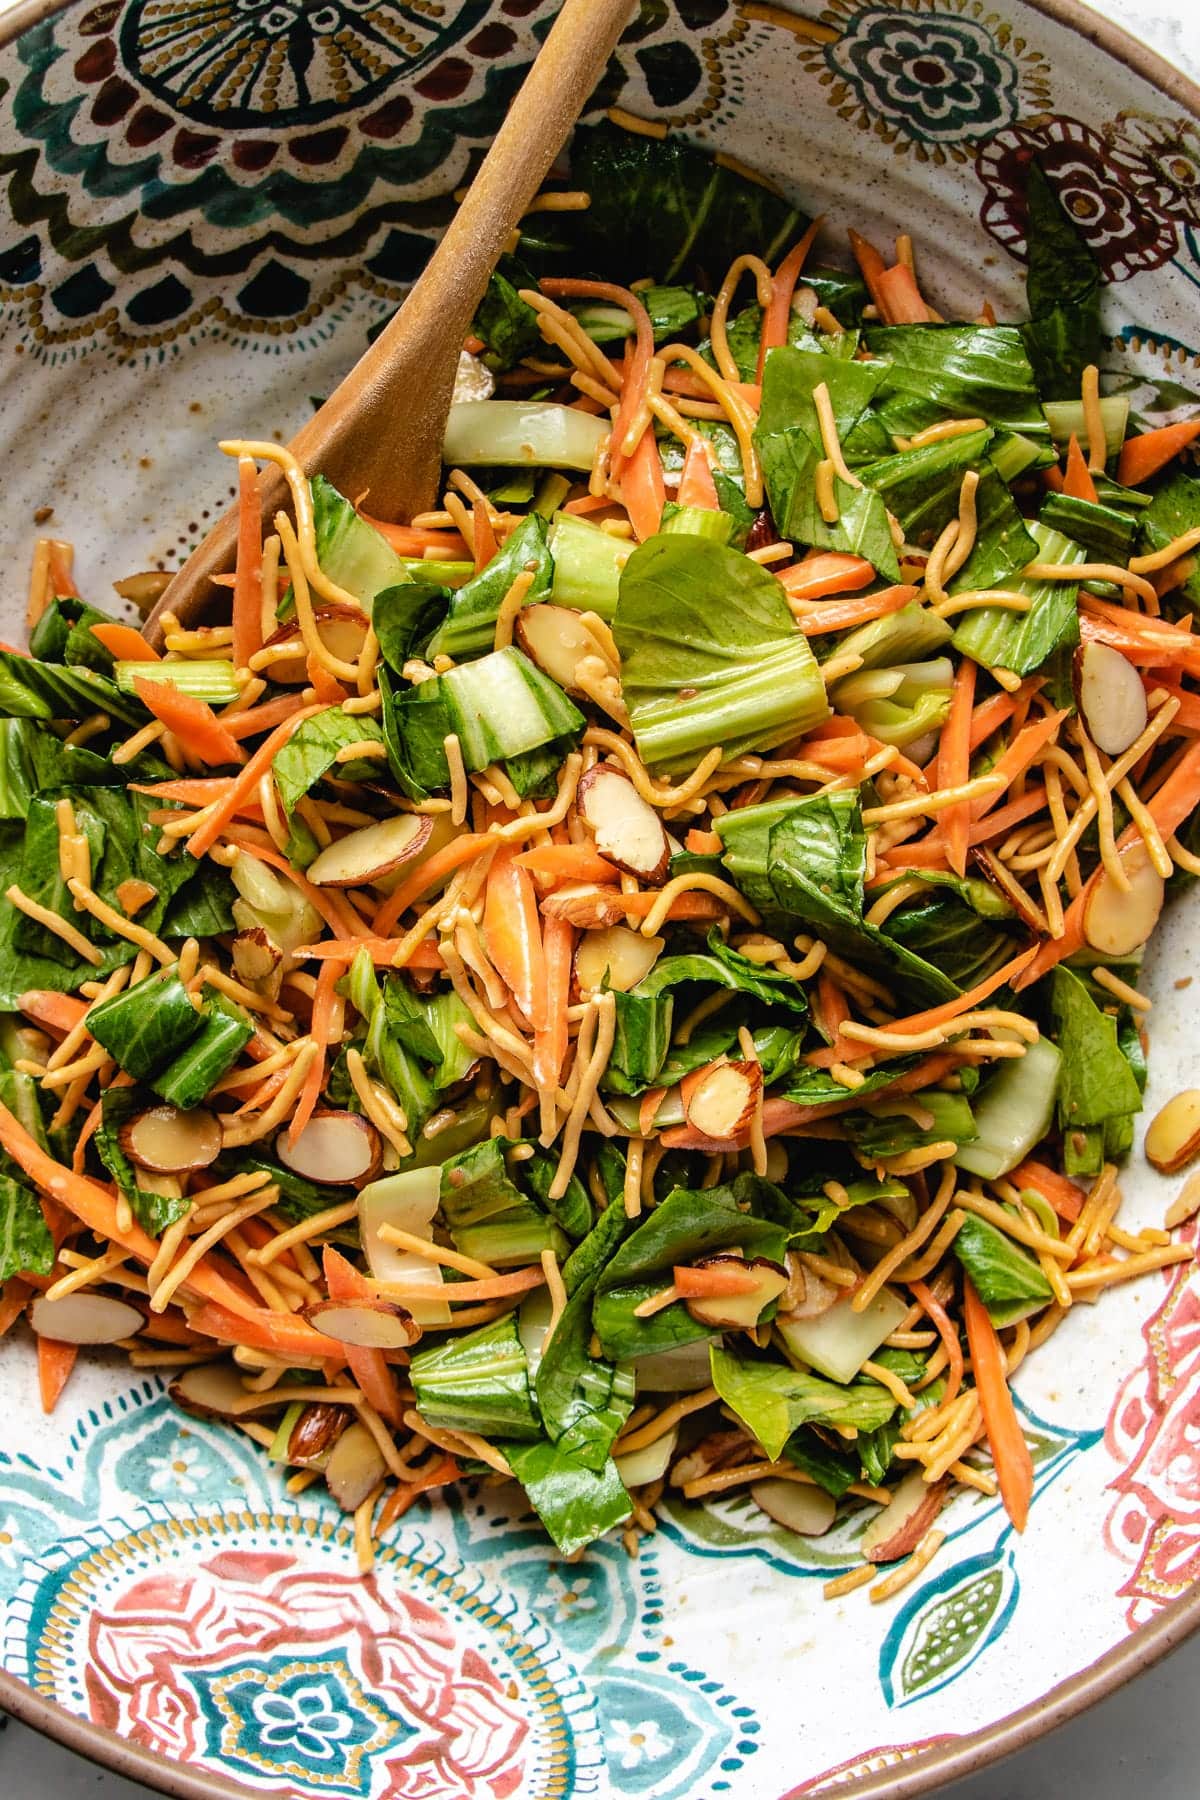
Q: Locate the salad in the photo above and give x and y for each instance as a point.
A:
(628, 982)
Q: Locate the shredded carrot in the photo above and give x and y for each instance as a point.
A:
(783, 285)
(244, 784)
(281, 1334)
(1018, 756)
(899, 298)
(1077, 479)
(382, 952)
(327, 689)
(721, 1279)
(637, 367)
(954, 765)
(370, 1368)
(15, 1295)
(550, 1040)
(441, 1472)
(1055, 1189)
(484, 535)
(833, 1011)
(950, 1009)
(125, 643)
(648, 1107)
(826, 572)
(642, 489)
(1141, 457)
(59, 1013)
(940, 1318)
(247, 582)
(192, 721)
(567, 862)
(840, 615)
(588, 503)
(930, 852)
(512, 929)
(322, 1022)
(493, 1287)
(410, 540)
(263, 718)
(55, 1362)
(781, 1118)
(872, 267)
(1010, 1452)
(61, 578)
(696, 484)
(434, 869)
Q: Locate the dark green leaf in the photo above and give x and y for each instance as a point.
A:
(36, 690)
(26, 1246)
(312, 750)
(1006, 1278)
(488, 1215)
(576, 1504)
(1024, 641)
(477, 1381)
(773, 1399)
(146, 1026)
(1106, 532)
(1174, 509)
(1096, 1082)
(189, 1077)
(405, 618)
(1062, 284)
(469, 627)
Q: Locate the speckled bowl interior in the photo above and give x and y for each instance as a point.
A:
(207, 206)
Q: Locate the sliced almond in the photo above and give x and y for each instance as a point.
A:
(1173, 1134)
(899, 1527)
(1111, 697)
(168, 1141)
(340, 1148)
(615, 955)
(720, 1100)
(1186, 1203)
(366, 856)
(315, 1433)
(628, 830)
(808, 1511)
(355, 1467)
(997, 876)
(556, 640)
(256, 957)
(808, 1294)
(711, 1453)
(343, 631)
(1115, 922)
(209, 1391)
(133, 895)
(84, 1318)
(367, 1324)
(582, 904)
(741, 1311)
(144, 588)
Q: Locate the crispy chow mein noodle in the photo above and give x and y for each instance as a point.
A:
(628, 982)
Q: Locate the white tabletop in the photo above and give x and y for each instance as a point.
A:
(1144, 1742)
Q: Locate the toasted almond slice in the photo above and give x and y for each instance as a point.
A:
(355, 1467)
(367, 855)
(1111, 697)
(343, 632)
(616, 956)
(315, 1433)
(341, 1148)
(809, 1295)
(367, 1324)
(640, 1467)
(168, 1141)
(720, 1099)
(256, 957)
(741, 1311)
(84, 1318)
(1173, 1134)
(555, 639)
(628, 830)
(898, 1528)
(1186, 1203)
(997, 876)
(209, 1391)
(808, 1511)
(582, 904)
(1117, 923)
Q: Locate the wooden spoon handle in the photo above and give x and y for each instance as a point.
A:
(381, 428)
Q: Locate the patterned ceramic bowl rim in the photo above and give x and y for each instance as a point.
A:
(919, 1774)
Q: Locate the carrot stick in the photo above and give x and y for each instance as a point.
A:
(941, 1319)
(1077, 480)
(783, 285)
(647, 1109)
(833, 1012)
(243, 785)
(642, 489)
(692, 905)
(435, 868)
(587, 503)
(247, 583)
(637, 367)
(125, 643)
(322, 1022)
(408, 540)
(900, 300)
(370, 1368)
(930, 852)
(826, 572)
(282, 1333)
(1188, 716)
(1010, 1452)
(193, 722)
(440, 1473)
(1014, 761)
(381, 951)
(783, 1117)
(1140, 638)
(1055, 1189)
(696, 484)
(567, 862)
(872, 266)
(710, 1284)
(328, 690)
(550, 1041)
(1141, 457)
(954, 764)
(1053, 480)
(989, 716)
(485, 537)
(55, 1362)
(493, 1287)
(950, 1009)
(513, 933)
(14, 1298)
(839, 615)
(60, 1013)
(263, 718)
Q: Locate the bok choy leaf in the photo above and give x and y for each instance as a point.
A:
(1023, 641)
(469, 627)
(477, 1381)
(1006, 1278)
(26, 1246)
(576, 1504)
(1062, 285)
(773, 1400)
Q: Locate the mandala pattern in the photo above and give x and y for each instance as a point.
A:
(1154, 1433)
(1119, 202)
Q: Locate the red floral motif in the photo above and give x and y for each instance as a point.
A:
(433, 1722)
(1115, 193)
(1154, 1432)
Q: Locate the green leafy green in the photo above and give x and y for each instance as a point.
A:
(489, 1216)
(882, 1134)
(1106, 532)
(1024, 641)
(469, 627)
(506, 324)
(147, 1025)
(225, 1031)
(35, 690)
(1174, 509)
(1006, 1278)
(576, 1504)
(26, 1246)
(500, 706)
(349, 549)
(773, 1400)
(955, 371)
(312, 750)
(477, 1381)
(922, 488)
(1096, 1082)
(710, 654)
(584, 1400)
(1062, 285)
(153, 1212)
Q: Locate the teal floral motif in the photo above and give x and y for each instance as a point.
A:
(309, 1720)
(937, 77)
(947, 1625)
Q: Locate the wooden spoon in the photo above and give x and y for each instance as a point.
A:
(381, 428)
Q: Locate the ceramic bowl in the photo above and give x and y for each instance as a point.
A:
(209, 205)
